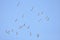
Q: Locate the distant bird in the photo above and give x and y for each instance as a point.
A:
(30, 34)
(12, 30)
(16, 33)
(42, 13)
(18, 3)
(38, 14)
(20, 27)
(32, 8)
(23, 16)
(39, 20)
(7, 31)
(47, 18)
(28, 27)
(37, 35)
(16, 20)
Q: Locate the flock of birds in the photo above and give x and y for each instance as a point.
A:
(24, 25)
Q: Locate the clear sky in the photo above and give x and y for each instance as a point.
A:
(29, 19)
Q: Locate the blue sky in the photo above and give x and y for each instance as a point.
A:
(16, 13)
